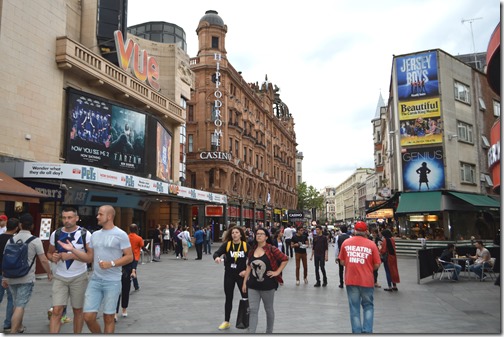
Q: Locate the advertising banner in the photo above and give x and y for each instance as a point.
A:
(163, 153)
(417, 76)
(421, 122)
(423, 169)
(127, 141)
(89, 128)
(104, 135)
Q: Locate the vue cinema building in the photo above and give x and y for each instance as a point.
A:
(240, 137)
(92, 117)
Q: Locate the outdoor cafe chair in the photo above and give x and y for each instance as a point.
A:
(445, 271)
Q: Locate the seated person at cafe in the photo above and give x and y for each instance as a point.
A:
(446, 257)
(482, 259)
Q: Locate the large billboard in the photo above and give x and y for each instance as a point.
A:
(417, 76)
(423, 169)
(163, 153)
(421, 122)
(104, 135)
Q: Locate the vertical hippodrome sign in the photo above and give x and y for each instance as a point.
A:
(217, 102)
(144, 67)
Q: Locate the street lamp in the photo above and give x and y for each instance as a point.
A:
(326, 212)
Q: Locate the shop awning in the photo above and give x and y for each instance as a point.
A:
(389, 203)
(13, 190)
(478, 200)
(419, 202)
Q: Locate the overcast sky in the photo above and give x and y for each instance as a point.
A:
(330, 59)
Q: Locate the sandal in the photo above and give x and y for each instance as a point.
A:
(388, 289)
(395, 289)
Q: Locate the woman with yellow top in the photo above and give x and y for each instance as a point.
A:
(234, 250)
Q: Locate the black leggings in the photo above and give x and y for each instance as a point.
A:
(229, 283)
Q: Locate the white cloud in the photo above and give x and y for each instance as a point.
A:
(330, 59)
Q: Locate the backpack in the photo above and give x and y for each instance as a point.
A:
(228, 247)
(15, 262)
(83, 236)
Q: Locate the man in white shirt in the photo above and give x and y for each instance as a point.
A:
(288, 232)
(70, 274)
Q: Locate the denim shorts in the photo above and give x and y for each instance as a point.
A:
(102, 291)
(21, 293)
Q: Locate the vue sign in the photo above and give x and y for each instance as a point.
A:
(144, 67)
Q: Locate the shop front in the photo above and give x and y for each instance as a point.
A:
(447, 215)
(143, 201)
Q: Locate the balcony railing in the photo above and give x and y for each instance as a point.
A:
(74, 57)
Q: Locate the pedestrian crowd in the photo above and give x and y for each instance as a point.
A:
(253, 260)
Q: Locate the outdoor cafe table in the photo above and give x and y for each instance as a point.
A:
(462, 261)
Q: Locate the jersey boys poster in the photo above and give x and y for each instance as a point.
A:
(417, 76)
(105, 135)
(423, 169)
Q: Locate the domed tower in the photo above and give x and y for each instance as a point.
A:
(211, 34)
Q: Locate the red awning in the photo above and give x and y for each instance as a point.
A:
(13, 190)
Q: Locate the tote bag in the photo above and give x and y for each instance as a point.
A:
(242, 319)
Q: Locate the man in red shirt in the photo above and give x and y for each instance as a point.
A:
(360, 257)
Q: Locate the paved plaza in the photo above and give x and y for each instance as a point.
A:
(179, 297)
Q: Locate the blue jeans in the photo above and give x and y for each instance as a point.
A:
(10, 305)
(478, 268)
(458, 269)
(358, 296)
(99, 291)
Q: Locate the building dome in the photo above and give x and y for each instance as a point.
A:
(213, 18)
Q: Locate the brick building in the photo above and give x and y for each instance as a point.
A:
(240, 137)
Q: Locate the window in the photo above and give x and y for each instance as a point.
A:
(230, 145)
(211, 177)
(467, 173)
(214, 142)
(462, 92)
(486, 143)
(215, 42)
(482, 105)
(244, 154)
(190, 143)
(299, 167)
(183, 102)
(237, 150)
(465, 132)
(496, 108)
(250, 156)
(193, 180)
(190, 114)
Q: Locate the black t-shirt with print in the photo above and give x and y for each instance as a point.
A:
(258, 279)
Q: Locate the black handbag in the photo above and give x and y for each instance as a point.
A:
(242, 319)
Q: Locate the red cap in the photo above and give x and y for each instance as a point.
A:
(360, 226)
(3, 217)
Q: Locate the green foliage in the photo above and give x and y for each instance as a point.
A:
(308, 197)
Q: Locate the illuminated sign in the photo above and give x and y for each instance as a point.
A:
(217, 104)
(215, 155)
(141, 65)
(384, 213)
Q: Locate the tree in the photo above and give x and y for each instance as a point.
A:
(308, 197)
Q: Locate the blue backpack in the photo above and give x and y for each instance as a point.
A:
(15, 262)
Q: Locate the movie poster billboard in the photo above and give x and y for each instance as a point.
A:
(104, 135)
(89, 128)
(127, 139)
(417, 76)
(423, 169)
(163, 153)
(420, 122)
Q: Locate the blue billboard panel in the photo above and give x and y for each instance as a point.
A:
(423, 169)
(417, 76)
